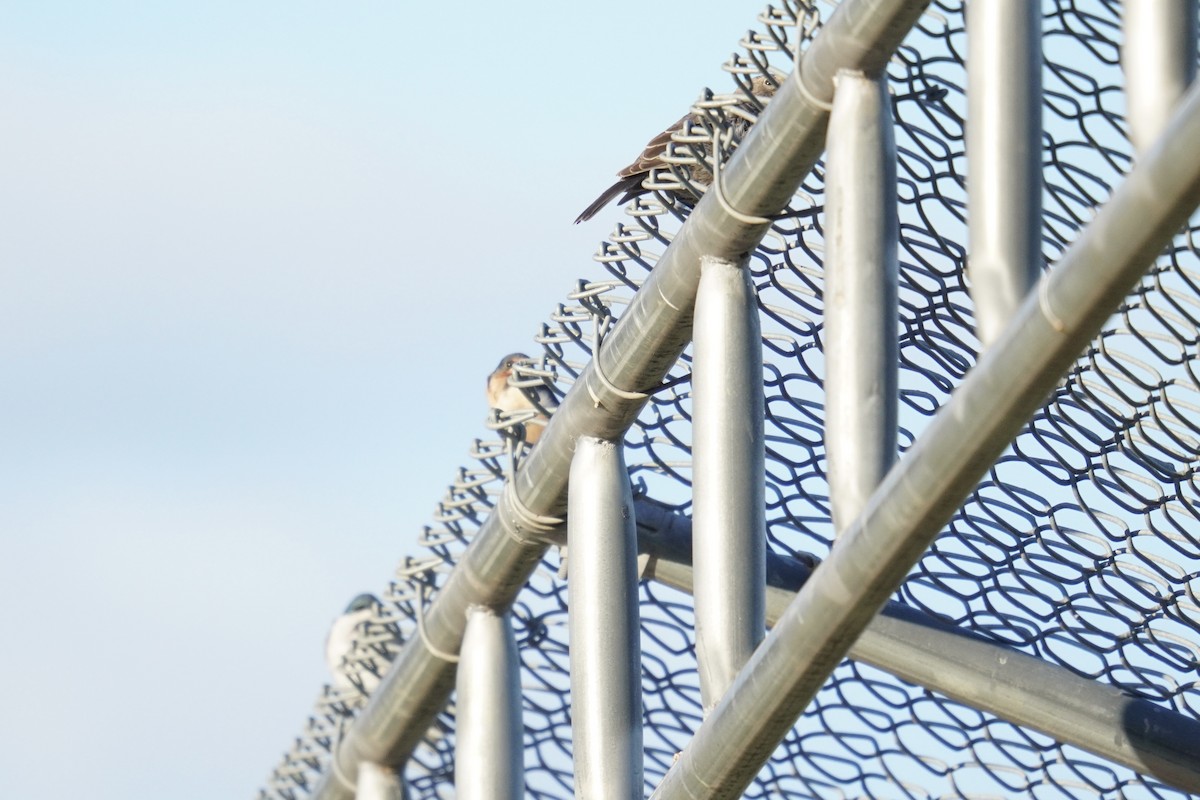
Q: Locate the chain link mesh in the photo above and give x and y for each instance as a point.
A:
(1081, 546)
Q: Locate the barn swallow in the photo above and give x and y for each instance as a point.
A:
(630, 179)
(508, 398)
(339, 644)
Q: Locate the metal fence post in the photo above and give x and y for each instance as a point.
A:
(1004, 158)
(489, 752)
(1159, 60)
(377, 782)
(861, 344)
(728, 466)
(602, 597)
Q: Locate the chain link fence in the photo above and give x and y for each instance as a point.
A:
(1081, 547)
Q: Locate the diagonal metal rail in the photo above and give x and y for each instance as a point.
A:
(759, 180)
(1054, 324)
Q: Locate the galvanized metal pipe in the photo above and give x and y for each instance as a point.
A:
(1004, 158)
(861, 315)
(759, 180)
(923, 490)
(728, 474)
(602, 597)
(964, 666)
(1159, 60)
(489, 752)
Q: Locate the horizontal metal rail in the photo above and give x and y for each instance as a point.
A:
(969, 668)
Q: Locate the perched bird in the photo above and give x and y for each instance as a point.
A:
(340, 644)
(630, 179)
(503, 396)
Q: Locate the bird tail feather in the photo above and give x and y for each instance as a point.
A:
(630, 185)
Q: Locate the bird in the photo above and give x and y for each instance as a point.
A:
(631, 177)
(339, 644)
(507, 398)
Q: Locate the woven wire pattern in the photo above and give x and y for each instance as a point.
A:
(1081, 546)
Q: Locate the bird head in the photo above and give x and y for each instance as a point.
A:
(497, 381)
(361, 602)
(764, 86)
(506, 364)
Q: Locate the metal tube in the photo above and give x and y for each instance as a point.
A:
(986, 675)
(728, 469)
(1004, 158)
(602, 596)
(966, 667)
(606, 690)
(861, 315)
(376, 782)
(1159, 60)
(488, 753)
(921, 493)
(760, 178)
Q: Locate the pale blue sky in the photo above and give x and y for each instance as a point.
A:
(256, 259)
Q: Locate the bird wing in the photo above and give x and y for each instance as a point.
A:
(629, 178)
(651, 156)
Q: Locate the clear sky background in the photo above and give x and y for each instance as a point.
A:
(256, 259)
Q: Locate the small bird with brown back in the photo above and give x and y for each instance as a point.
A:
(631, 178)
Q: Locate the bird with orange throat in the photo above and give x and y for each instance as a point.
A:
(536, 401)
